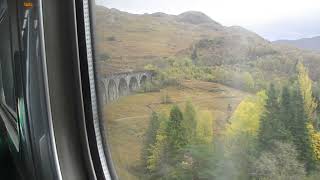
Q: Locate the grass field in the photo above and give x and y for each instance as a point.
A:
(127, 118)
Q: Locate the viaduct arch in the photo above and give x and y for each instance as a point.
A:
(122, 84)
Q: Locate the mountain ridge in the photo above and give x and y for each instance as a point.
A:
(312, 44)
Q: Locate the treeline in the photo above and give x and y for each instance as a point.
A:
(290, 117)
(249, 78)
(278, 135)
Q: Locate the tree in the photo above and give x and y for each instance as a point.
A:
(286, 113)
(315, 141)
(204, 131)
(194, 55)
(198, 161)
(190, 122)
(249, 82)
(305, 86)
(202, 151)
(240, 139)
(183, 144)
(300, 132)
(310, 106)
(279, 163)
(176, 133)
(111, 38)
(157, 159)
(247, 116)
(271, 128)
(150, 136)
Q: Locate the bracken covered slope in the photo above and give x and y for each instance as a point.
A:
(127, 42)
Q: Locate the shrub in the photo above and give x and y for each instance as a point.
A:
(111, 38)
(150, 87)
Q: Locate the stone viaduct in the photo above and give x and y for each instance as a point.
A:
(122, 84)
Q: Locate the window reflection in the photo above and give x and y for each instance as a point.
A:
(6, 60)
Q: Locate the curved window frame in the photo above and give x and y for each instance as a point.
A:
(97, 140)
(99, 148)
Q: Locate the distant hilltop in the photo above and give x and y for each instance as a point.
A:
(312, 44)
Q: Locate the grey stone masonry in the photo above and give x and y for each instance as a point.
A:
(113, 86)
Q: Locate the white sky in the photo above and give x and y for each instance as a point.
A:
(256, 15)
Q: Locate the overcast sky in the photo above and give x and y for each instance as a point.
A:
(272, 19)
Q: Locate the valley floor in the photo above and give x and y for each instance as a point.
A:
(127, 119)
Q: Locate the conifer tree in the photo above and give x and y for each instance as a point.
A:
(299, 131)
(157, 158)
(286, 113)
(176, 134)
(190, 122)
(271, 128)
(150, 136)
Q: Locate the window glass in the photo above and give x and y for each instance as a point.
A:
(228, 90)
(7, 92)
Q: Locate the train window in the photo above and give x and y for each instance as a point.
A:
(212, 93)
(7, 93)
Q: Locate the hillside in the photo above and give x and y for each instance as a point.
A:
(128, 42)
(312, 44)
(217, 94)
(157, 34)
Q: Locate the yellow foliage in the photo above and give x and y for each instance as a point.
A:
(305, 85)
(157, 149)
(310, 105)
(246, 117)
(315, 140)
(150, 67)
(204, 130)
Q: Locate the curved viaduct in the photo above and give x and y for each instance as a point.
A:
(122, 84)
